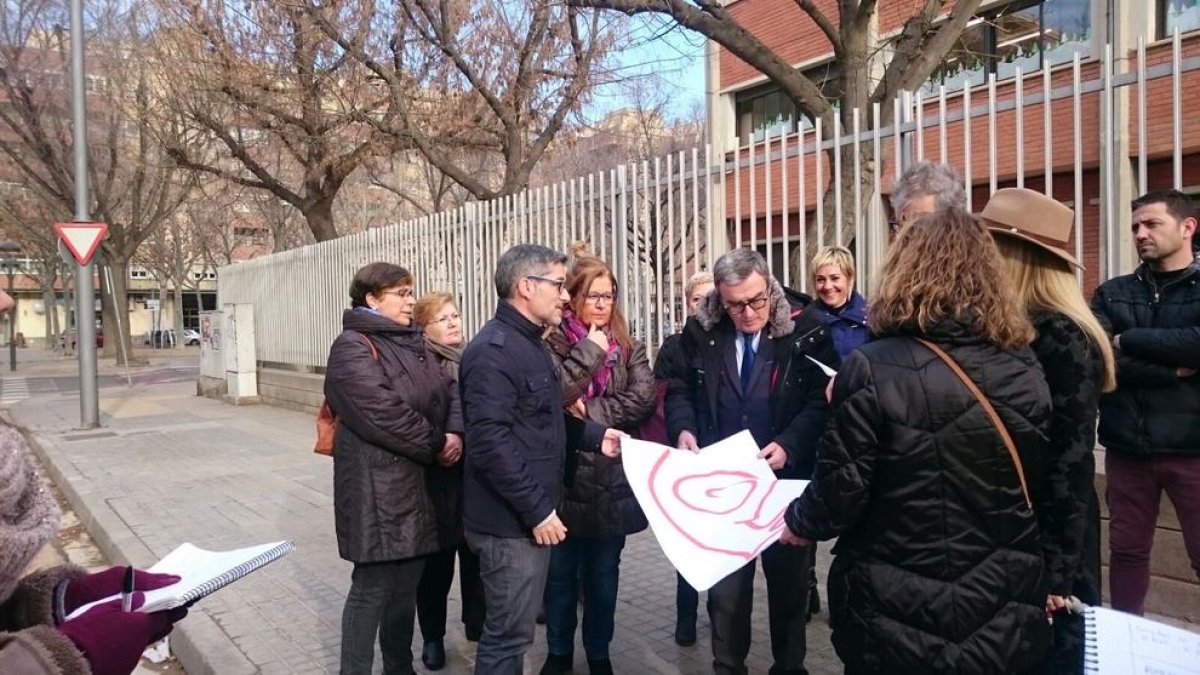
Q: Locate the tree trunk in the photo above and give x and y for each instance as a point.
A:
(51, 311)
(118, 343)
(320, 219)
(866, 179)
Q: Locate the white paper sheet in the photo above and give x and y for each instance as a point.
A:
(1124, 644)
(711, 511)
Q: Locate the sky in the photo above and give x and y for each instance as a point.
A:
(660, 55)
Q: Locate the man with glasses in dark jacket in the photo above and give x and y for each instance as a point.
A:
(519, 438)
(1150, 426)
(743, 366)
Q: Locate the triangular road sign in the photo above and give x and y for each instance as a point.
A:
(82, 239)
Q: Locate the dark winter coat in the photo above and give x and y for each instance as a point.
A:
(445, 482)
(938, 566)
(518, 435)
(848, 327)
(1153, 411)
(1069, 514)
(797, 385)
(394, 414)
(598, 500)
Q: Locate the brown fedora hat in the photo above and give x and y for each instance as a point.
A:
(1033, 217)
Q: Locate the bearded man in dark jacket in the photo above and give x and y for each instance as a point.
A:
(1150, 426)
(743, 366)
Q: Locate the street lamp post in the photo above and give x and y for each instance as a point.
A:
(10, 249)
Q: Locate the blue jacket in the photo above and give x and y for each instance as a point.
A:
(848, 328)
(518, 436)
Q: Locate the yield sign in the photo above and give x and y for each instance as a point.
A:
(81, 239)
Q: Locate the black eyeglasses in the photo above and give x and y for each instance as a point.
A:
(558, 283)
(737, 307)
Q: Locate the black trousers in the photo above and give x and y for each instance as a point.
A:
(731, 602)
(435, 587)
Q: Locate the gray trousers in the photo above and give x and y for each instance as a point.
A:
(514, 579)
(382, 600)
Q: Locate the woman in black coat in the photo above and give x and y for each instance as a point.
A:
(439, 318)
(1031, 231)
(938, 566)
(397, 412)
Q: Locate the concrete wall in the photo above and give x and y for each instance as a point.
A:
(290, 389)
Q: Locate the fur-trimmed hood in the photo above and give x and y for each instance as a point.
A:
(784, 301)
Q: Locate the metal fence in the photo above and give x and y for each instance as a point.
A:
(1081, 131)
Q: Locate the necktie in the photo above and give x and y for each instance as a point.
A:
(747, 359)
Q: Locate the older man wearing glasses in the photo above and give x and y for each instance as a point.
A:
(745, 367)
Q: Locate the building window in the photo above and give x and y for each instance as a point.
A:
(1025, 35)
(767, 111)
(138, 273)
(1181, 14)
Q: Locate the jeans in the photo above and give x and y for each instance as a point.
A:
(435, 587)
(731, 601)
(1135, 487)
(381, 601)
(594, 561)
(514, 579)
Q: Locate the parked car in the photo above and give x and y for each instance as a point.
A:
(191, 336)
(69, 338)
(160, 338)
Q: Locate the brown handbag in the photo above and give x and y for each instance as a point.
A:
(988, 409)
(327, 421)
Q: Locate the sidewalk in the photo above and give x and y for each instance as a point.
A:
(168, 467)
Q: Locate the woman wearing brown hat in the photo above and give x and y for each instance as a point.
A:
(1032, 230)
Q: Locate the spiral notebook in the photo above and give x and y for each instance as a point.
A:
(202, 572)
(1123, 644)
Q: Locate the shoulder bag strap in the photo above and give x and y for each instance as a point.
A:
(374, 351)
(987, 408)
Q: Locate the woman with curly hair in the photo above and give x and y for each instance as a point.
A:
(938, 566)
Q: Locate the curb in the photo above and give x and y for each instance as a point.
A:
(201, 646)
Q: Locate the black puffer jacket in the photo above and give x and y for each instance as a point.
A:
(938, 566)
(1153, 410)
(394, 414)
(598, 500)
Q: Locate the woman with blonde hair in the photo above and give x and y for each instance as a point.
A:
(837, 304)
(1031, 231)
(606, 377)
(926, 473)
(438, 317)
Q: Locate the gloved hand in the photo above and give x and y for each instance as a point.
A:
(93, 587)
(112, 641)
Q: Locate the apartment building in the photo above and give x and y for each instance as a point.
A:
(1112, 128)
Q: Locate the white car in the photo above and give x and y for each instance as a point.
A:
(191, 337)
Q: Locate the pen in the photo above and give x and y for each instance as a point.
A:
(127, 591)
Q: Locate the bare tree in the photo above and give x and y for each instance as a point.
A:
(930, 33)
(270, 101)
(133, 186)
(479, 76)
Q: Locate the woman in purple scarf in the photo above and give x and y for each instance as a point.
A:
(605, 377)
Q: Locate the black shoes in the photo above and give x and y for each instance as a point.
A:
(600, 667)
(685, 631)
(434, 655)
(557, 664)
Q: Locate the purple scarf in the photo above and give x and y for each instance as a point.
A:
(575, 331)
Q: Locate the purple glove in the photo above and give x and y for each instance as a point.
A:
(112, 641)
(93, 587)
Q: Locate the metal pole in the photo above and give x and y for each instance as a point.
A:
(12, 320)
(85, 298)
